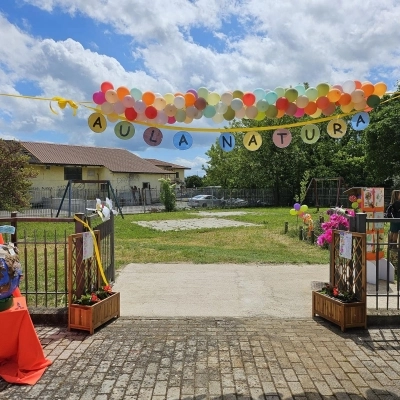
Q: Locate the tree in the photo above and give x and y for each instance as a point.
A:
(167, 194)
(382, 138)
(15, 174)
(280, 168)
(193, 181)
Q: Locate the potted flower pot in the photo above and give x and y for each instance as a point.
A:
(346, 315)
(90, 317)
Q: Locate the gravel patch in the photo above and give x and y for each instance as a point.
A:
(192, 223)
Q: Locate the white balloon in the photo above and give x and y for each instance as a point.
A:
(349, 87)
(226, 98)
(179, 102)
(221, 108)
(140, 106)
(218, 118)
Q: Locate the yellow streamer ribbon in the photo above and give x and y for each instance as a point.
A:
(62, 103)
(96, 249)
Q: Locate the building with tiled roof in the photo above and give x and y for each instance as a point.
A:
(57, 164)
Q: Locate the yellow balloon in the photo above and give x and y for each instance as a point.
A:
(213, 99)
(293, 212)
(304, 208)
(380, 88)
(169, 98)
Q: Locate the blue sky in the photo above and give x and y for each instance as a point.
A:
(68, 48)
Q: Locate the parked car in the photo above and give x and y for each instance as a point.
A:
(236, 202)
(205, 200)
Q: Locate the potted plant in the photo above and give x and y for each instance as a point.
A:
(339, 306)
(94, 308)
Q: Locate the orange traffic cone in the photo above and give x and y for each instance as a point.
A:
(1, 239)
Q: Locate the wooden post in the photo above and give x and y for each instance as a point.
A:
(14, 236)
(286, 227)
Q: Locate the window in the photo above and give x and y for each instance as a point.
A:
(177, 175)
(72, 173)
(91, 173)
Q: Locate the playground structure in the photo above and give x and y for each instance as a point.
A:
(316, 187)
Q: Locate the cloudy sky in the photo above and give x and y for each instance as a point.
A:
(68, 48)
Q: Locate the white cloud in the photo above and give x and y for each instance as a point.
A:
(250, 44)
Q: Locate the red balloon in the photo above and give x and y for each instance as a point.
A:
(106, 86)
(130, 114)
(282, 103)
(150, 112)
(322, 102)
(171, 120)
(200, 103)
(248, 99)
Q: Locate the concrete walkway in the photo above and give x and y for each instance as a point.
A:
(218, 290)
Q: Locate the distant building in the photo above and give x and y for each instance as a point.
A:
(58, 163)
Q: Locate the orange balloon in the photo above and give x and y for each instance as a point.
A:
(280, 114)
(358, 84)
(310, 108)
(334, 95)
(123, 91)
(368, 88)
(345, 99)
(148, 98)
(190, 99)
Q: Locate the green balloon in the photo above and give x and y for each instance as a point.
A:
(237, 94)
(291, 94)
(230, 114)
(271, 112)
(373, 101)
(323, 89)
(180, 115)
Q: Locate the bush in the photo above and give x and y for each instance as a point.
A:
(167, 194)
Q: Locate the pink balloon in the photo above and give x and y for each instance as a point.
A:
(171, 120)
(299, 113)
(99, 97)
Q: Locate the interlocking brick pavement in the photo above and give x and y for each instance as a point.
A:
(209, 358)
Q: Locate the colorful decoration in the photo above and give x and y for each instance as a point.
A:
(324, 99)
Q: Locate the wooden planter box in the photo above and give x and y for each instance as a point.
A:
(346, 315)
(88, 318)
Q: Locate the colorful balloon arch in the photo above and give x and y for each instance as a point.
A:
(184, 107)
(321, 103)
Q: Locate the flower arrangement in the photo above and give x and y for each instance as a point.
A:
(92, 297)
(342, 295)
(337, 220)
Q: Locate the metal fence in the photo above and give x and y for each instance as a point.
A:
(50, 202)
(43, 255)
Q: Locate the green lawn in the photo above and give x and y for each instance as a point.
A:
(266, 243)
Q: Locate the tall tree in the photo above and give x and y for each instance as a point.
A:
(279, 168)
(382, 138)
(15, 174)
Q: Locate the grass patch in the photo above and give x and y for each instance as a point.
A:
(266, 243)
